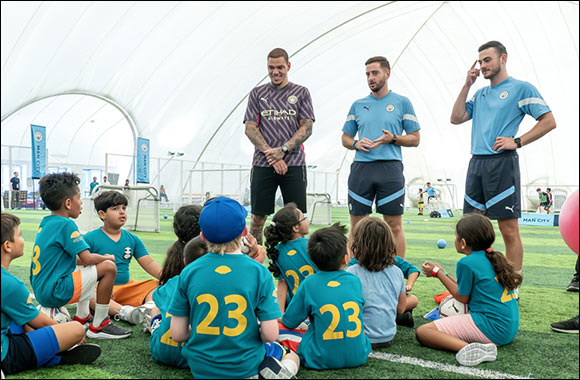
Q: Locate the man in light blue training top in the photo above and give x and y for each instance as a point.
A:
(493, 177)
(376, 175)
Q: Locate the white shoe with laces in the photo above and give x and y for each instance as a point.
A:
(475, 353)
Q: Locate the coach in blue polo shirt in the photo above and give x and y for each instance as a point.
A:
(493, 177)
(376, 175)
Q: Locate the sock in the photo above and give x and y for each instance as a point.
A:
(83, 309)
(101, 313)
(125, 311)
(290, 366)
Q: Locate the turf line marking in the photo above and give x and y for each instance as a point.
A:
(444, 367)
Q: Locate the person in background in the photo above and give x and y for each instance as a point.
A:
(15, 188)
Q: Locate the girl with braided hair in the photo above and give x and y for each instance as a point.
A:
(286, 248)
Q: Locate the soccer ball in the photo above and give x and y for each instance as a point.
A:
(59, 314)
(441, 243)
(450, 306)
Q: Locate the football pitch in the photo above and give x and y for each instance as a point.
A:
(537, 351)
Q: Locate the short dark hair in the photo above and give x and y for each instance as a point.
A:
(548, 189)
(382, 60)
(277, 53)
(327, 247)
(194, 249)
(108, 199)
(9, 223)
(58, 187)
(498, 46)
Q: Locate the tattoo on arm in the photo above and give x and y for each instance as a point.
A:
(255, 136)
(301, 135)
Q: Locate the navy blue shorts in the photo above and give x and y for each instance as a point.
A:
(381, 182)
(30, 350)
(493, 186)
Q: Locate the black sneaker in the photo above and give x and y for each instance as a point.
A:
(573, 286)
(570, 326)
(271, 368)
(81, 354)
(107, 330)
(405, 319)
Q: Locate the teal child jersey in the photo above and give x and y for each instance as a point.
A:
(369, 116)
(294, 263)
(54, 259)
(406, 267)
(163, 348)
(128, 246)
(223, 296)
(333, 301)
(498, 111)
(16, 306)
(493, 308)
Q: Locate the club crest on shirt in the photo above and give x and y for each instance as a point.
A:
(390, 108)
(127, 254)
(504, 94)
(292, 99)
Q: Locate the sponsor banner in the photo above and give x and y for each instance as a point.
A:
(142, 160)
(548, 220)
(38, 134)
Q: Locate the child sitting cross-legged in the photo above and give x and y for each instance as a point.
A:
(219, 300)
(130, 297)
(383, 284)
(31, 339)
(333, 301)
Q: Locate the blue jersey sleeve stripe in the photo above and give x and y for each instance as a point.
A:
(501, 196)
(410, 117)
(473, 203)
(350, 117)
(528, 101)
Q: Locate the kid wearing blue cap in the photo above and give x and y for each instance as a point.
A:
(222, 295)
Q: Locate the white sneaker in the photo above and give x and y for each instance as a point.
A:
(476, 353)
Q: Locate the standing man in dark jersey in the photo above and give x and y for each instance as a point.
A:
(278, 120)
(492, 186)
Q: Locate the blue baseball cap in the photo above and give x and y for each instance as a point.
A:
(222, 220)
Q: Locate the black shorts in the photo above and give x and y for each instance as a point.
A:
(493, 186)
(381, 182)
(264, 182)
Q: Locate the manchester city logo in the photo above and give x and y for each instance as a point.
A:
(144, 147)
(390, 108)
(292, 99)
(38, 136)
(504, 94)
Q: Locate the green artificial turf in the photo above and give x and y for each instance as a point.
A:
(536, 352)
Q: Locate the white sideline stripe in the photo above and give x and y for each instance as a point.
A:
(444, 367)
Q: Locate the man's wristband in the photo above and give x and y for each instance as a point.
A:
(518, 142)
(394, 140)
(354, 144)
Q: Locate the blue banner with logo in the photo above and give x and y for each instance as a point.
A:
(142, 160)
(38, 134)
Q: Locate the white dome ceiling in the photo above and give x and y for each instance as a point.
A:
(181, 72)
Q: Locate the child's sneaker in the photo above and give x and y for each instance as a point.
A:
(80, 354)
(476, 353)
(573, 286)
(107, 330)
(405, 319)
(271, 368)
(84, 321)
